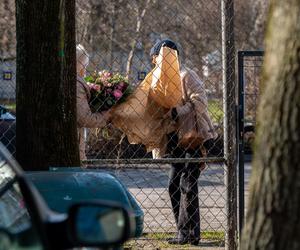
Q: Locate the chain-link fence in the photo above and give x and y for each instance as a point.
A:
(122, 44)
(117, 36)
(249, 74)
(7, 74)
(252, 69)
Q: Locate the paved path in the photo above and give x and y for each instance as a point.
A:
(149, 186)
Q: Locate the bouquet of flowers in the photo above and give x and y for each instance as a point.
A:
(107, 89)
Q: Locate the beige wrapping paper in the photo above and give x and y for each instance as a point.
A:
(166, 87)
(141, 118)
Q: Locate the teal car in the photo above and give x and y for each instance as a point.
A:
(28, 222)
(62, 187)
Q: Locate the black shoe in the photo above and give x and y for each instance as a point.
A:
(178, 241)
(194, 242)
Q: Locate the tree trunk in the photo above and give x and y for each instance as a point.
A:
(46, 89)
(112, 35)
(273, 219)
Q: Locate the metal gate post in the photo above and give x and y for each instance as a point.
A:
(242, 56)
(240, 137)
(229, 97)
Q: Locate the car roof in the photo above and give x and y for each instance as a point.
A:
(61, 189)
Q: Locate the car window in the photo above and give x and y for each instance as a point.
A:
(7, 116)
(16, 231)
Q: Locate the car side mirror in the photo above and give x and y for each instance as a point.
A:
(99, 224)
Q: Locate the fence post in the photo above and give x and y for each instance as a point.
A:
(240, 137)
(229, 97)
(242, 55)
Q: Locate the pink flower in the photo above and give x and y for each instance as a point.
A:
(95, 87)
(108, 90)
(107, 83)
(122, 86)
(104, 75)
(107, 74)
(117, 94)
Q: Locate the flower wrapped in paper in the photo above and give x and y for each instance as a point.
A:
(166, 87)
(142, 117)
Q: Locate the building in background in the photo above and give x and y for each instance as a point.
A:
(7, 78)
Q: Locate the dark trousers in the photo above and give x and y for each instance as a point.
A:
(183, 190)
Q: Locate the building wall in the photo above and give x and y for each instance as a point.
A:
(8, 86)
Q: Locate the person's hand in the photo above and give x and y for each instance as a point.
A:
(106, 115)
(171, 114)
(168, 115)
(202, 166)
(174, 114)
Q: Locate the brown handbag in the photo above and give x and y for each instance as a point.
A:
(189, 134)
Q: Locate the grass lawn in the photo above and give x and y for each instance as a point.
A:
(158, 241)
(10, 104)
(215, 110)
(11, 107)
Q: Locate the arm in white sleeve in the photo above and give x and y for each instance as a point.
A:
(196, 94)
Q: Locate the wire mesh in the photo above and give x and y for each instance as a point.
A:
(117, 36)
(249, 75)
(121, 44)
(252, 72)
(7, 74)
(121, 47)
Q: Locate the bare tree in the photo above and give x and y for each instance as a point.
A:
(83, 14)
(140, 14)
(273, 219)
(260, 17)
(7, 29)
